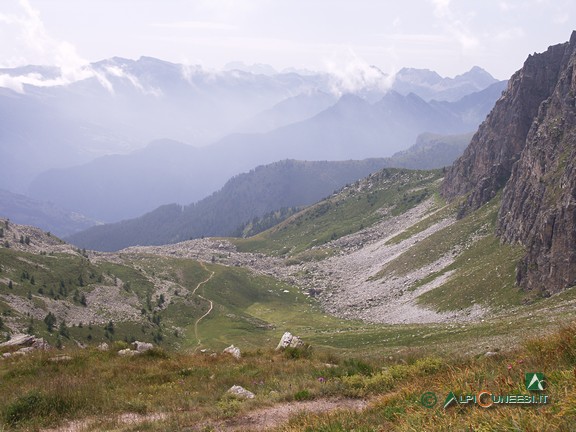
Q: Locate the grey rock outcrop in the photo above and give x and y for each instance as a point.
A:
(539, 202)
(487, 162)
(142, 346)
(289, 340)
(233, 351)
(26, 343)
(527, 146)
(240, 392)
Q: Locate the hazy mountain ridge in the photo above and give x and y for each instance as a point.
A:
(429, 85)
(266, 188)
(27, 211)
(250, 196)
(118, 105)
(350, 129)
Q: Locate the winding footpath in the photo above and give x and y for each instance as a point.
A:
(205, 299)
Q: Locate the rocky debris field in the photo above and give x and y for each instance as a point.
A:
(343, 282)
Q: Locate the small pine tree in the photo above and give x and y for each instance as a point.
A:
(50, 321)
(1, 323)
(10, 284)
(63, 330)
(27, 240)
(29, 295)
(83, 300)
(32, 280)
(21, 239)
(1, 232)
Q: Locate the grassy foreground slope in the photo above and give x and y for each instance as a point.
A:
(174, 391)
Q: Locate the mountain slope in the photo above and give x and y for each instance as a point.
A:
(539, 202)
(264, 189)
(526, 146)
(486, 164)
(263, 197)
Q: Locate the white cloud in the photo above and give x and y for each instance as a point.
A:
(33, 45)
(118, 72)
(350, 73)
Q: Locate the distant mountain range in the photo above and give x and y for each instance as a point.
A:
(247, 197)
(47, 216)
(127, 136)
(113, 188)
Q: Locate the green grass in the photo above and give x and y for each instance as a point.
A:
(485, 274)
(190, 390)
(356, 207)
(483, 268)
(440, 211)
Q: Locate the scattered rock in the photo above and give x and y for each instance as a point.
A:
(127, 352)
(289, 340)
(490, 354)
(142, 346)
(25, 340)
(233, 351)
(240, 392)
(103, 347)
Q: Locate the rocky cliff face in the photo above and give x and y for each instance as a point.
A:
(539, 201)
(486, 164)
(528, 145)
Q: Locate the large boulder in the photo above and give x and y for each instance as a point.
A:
(142, 346)
(26, 341)
(240, 392)
(233, 351)
(289, 340)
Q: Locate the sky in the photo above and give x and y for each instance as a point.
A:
(448, 36)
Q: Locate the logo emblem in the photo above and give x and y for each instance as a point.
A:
(429, 399)
(535, 381)
(450, 399)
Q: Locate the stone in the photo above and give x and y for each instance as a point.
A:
(289, 340)
(40, 344)
(103, 347)
(127, 352)
(284, 341)
(19, 340)
(233, 351)
(142, 346)
(240, 392)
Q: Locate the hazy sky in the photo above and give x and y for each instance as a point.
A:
(448, 36)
